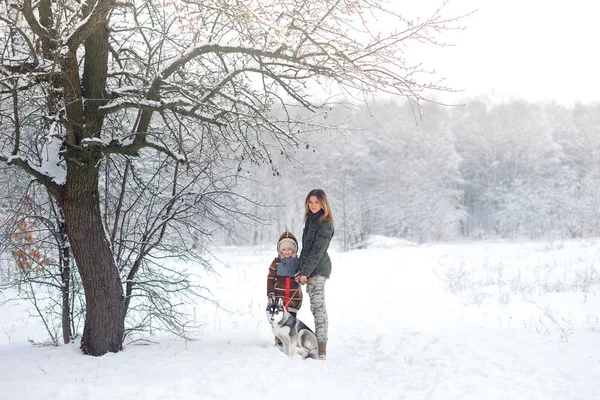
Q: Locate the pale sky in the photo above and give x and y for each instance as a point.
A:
(532, 49)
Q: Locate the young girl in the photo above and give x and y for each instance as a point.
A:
(315, 264)
(281, 281)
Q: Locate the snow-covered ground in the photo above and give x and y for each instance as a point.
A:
(486, 320)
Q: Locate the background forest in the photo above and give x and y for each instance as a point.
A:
(482, 170)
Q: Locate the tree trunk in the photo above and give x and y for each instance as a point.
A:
(104, 323)
(65, 274)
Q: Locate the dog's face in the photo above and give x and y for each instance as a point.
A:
(275, 311)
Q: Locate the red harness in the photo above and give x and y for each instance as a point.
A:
(287, 292)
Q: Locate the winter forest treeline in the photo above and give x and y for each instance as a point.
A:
(509, 170)
(480, 170)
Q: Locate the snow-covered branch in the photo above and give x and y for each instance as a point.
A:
(33, 22)
(96, 16)
(133, 148)
(52, 182)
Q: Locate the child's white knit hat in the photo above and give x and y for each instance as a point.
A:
(287, 241)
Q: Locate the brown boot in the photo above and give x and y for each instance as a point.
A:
(322, 351)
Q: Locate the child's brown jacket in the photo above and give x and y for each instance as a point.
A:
(284, 287)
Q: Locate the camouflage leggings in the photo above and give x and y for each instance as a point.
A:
(316, 292)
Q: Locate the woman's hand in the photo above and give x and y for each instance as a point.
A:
(302, 280)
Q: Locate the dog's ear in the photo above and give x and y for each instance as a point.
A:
(269, 301)
(280, 301)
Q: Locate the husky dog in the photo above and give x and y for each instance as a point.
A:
(295, 336)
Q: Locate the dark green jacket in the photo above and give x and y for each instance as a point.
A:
(314, 259)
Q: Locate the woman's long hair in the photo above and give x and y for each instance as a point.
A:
(322, 197)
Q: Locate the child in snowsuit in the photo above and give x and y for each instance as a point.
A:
(282, 271)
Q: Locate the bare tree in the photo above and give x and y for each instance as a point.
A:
(155, 210)
(80, 80)
(34, 236)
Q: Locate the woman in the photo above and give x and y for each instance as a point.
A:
(315, 264)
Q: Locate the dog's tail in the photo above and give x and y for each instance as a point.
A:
(308, 341)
